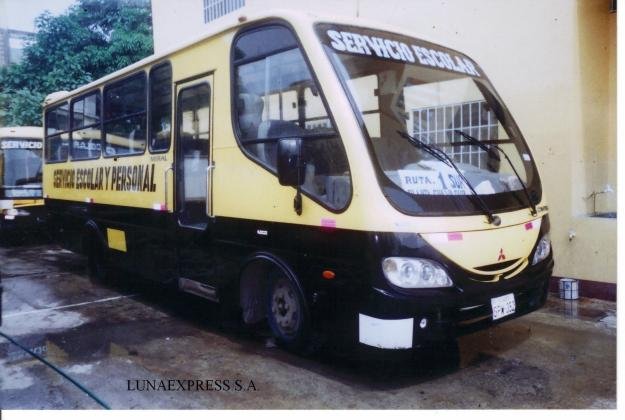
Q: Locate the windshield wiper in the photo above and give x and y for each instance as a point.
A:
(488, 149)
(434, 151)
(445, 158)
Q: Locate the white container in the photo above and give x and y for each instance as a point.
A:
(569, 289)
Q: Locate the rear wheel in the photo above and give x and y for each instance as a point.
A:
(99, 267)
(287, 313)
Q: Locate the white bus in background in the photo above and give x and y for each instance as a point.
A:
(21, 199)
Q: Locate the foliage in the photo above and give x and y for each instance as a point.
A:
(92, 39)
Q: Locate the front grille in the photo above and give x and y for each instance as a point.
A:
(497, 266)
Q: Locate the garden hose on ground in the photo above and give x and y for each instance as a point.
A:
(57, 370)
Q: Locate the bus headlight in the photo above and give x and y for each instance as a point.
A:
(415, 273)
(542, 249)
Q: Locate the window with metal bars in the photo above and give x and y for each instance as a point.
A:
(214, 9)
(437, 125)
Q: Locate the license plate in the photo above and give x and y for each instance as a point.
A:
(503, 306)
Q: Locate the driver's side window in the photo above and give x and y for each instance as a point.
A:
(276, 97)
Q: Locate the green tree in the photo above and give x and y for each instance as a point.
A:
(92, 39)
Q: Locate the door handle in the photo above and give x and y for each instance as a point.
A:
(169, 168)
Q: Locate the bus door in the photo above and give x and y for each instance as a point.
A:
(193, 147)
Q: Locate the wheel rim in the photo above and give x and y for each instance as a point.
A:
(285, 307)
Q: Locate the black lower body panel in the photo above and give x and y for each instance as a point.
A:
(386, 320)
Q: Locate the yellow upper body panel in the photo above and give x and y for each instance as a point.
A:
(242, 188)
(476, 249)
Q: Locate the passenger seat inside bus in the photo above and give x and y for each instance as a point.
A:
(333, 189)
(250, 107)
(250, 111)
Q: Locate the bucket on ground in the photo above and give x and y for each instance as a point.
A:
(569, 289)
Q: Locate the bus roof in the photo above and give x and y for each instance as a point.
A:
(228, 23)
(21, 132)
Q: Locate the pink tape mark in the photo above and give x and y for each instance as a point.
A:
(529, 226)
(454, 236)
(329, 223)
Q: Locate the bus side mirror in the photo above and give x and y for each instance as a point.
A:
(290, 168)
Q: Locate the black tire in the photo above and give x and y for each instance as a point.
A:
(98, 262)
(287, 312)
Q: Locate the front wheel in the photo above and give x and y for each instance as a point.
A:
(287, 313)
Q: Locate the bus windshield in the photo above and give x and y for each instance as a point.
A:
(399, 85)
(20, 170)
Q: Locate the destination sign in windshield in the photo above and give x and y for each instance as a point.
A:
(21, 144)
(398, 48)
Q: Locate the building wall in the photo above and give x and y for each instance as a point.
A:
(4, 57)
(553, 62)
(167, 16)
(12, 44)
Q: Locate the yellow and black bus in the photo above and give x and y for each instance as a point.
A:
(21, 200)
(323, 175)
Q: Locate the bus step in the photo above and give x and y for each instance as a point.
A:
(199, 289)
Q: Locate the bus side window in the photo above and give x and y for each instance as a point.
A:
(57, 133)
(266, 76)
(125, 118)
(277, 97)
(86, 131)
(160, 108)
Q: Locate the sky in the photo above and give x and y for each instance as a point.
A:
(21, 14)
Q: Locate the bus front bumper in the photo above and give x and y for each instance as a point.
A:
(394, 320)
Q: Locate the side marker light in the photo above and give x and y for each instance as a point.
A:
(328, 274)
